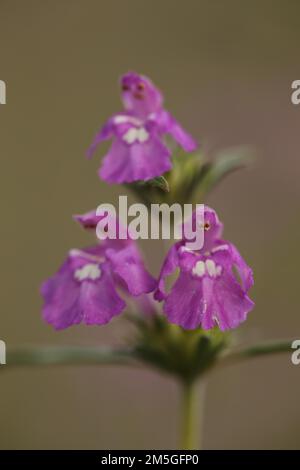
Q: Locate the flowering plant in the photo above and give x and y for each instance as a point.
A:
(185, 328)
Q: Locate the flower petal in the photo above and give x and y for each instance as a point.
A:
(125, 163)
(90, 220)
(185, 305)
(105, 133)
(99, 300)
(245, 272)
(231, 303)
(182, 137)
(169, 266)
(61, 308)
(129, 267)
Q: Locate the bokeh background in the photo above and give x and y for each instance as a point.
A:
(226, 68)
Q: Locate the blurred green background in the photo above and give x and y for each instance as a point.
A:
(226, 69)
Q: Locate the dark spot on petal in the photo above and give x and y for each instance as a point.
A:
(141, 86)
(139, 96)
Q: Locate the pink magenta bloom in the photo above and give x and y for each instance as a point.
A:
(206, 293)
(84, 290)
(138, 151)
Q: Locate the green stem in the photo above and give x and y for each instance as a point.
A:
(72, 355)
(67, 355)
(192, 401)
(264, 349)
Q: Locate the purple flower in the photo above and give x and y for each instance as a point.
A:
(85, 289)
(138, 151)
(90, 220)
(207, 292)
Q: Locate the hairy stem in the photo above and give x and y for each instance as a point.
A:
(63, 355)
(263, 349)
(192, 415)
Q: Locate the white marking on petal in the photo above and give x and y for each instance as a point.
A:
(143, 135)
(199, 269)
(211, 267)
(131, 135)
(120, 119)
(216, 320)
(75, 253)
(219, 270)
(152, 116)
(208, 267)
(185, 249)
(88, 271)
(219, 248)
(136, 134)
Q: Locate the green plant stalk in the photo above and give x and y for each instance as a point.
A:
(73, 355)
(258, 350)
(192, 395)
(192, 406)
(68, 355)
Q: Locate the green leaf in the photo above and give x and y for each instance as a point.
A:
(67, 355)
(211, 173)
(264, 349)
(160, 182)
(150, 191)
